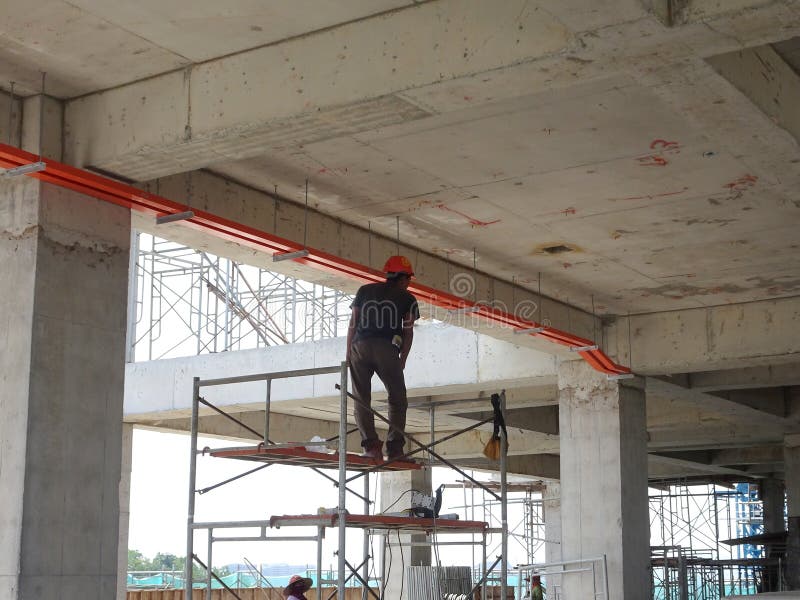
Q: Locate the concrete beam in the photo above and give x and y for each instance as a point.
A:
(771, 400)
(283, 428)
(674, 13)
(704, 339)
(472, 364)
(284, 218)
(543, 419)
(776, 375)
(544, 466)
(702, 467)
(724, 407)
(748, 456)
(710, 436)
(747, 462)
(767, 80)
(10, 132)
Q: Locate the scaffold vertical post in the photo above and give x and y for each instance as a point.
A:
(209, 563)
(342, 483)
(187, 583)
(365, 568)
(268, 407)
(133, 281)
(484, 565)
(383, 565)
(503, 504)
(320, 534)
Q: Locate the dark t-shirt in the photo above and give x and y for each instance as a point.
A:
(381, 310)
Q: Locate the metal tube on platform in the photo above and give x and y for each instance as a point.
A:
(266, 414)
(320, 535)
(342, 482)
(192, 484)
(208, 566)
(365, 567)
(484, 574)
(503, 504)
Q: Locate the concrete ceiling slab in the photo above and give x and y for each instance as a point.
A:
(202, 30)
(80, 51)
(652, 213)
(89, 45)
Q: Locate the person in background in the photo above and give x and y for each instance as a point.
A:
(378, 341)
(537, 591)
(297, 587)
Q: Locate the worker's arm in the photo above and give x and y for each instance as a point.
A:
(408, 338)
(351, 331)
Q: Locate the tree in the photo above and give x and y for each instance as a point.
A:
(138, 562)
(167, 562)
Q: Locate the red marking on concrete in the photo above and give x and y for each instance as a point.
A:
(650, 196)
(745, 182)
(662, 147)
(652, 161)
(333, 171)
(470, 220)
(569, 211)
(566, 265)
(665, 146)
(468, 98)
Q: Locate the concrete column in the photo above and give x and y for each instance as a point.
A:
(773, 498)
(124, 510)
(393, 485)
(64, 264)
(552, 522)
(603, 479)
(791, 457)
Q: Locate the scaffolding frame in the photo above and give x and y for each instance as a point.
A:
(691, 559)
(215, 304)
(341, 519)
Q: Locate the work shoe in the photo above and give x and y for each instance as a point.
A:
(373, 450)
(395, 453)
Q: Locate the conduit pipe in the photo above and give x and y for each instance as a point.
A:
(104, 188)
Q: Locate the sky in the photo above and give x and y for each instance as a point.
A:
(159, 501)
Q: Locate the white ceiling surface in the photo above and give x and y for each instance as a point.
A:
(606, 168)
(88, 45)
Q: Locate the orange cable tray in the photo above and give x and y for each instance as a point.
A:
(381, 522)
(301, 457)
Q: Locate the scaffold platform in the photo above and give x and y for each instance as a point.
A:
(384, 522)
(302, 457)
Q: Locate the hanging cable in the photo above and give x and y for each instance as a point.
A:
(10, 113)
(41, 117)
(397, 227)
(402, 564)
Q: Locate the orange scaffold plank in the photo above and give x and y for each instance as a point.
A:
(104, 188)
(300, 456)
(381, 522)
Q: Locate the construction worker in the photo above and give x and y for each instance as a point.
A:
(537, 591)
(297, 588)
(378, 341)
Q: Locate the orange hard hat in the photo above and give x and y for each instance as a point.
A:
(398, 264)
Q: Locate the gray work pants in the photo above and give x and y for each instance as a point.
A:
(367, 357)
